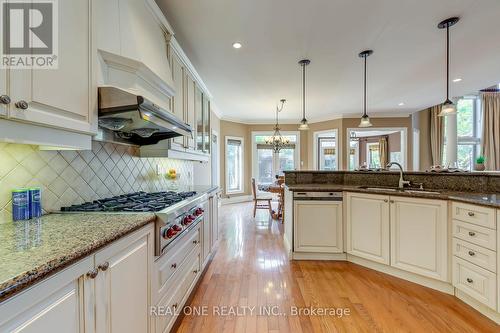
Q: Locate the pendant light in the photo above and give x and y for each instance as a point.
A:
(304, 126)
(365, 120)
(448, 107)
(277, 141)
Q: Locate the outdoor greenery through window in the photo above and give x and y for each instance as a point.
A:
(234, 165)
(267, 164)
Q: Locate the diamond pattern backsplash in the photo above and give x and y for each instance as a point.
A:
(70, 177)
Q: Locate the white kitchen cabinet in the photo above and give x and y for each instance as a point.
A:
(318, 226)
(368, 226)
(178, 105)
(64, 97)
(419, 236)
(191, 113)
(122, 286)
(54, 305)
(198, 110)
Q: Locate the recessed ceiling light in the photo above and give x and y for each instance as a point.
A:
(401, 104)
(457, 79)
(237, 45)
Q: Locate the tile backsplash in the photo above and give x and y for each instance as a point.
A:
(69, 177)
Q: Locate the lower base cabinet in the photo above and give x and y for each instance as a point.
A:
(419, 236)
(318, 226)
(105, 292)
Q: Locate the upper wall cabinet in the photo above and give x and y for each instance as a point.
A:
(64, 97)
(132, 37)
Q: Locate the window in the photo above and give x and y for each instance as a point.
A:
(468, 132)
(266, 163)
(373, 155)
(234, 165)
(325, 150)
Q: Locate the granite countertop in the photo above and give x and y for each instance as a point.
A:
(484, 199)
(32, 250)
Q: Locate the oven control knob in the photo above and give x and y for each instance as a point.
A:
(169, 233)
(177, 227)
(198, 212)
(186, 220)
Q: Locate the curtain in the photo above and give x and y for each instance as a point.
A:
(384, 151)
(437, 135)
(490, 145)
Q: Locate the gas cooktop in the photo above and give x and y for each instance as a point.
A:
(133, 202)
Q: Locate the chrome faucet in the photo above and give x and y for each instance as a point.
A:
(402, 182)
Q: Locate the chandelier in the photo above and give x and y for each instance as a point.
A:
(277, 141)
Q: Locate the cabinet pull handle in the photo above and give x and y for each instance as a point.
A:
(470, 214)
(23, 105)
(104, 266)
(391, 201)
(385, 200)
(92, 273)
(470, 280)
(472, 253)
(5, 99)
(195, 242)
(472, 233)
(174, 265)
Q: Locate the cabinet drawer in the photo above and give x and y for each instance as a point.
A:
(171, 261)
(475, 282)
(475, 234)
(475, 254)
(478, 215)
(172, 303)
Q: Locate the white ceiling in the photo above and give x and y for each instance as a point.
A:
(408, 64)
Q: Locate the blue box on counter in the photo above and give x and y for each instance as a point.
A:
(35, 204)
(20, 204)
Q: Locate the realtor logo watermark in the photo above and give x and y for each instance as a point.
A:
(29, 34)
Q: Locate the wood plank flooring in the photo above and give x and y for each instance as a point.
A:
(250, 269)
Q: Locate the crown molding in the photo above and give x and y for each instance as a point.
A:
(313, 120)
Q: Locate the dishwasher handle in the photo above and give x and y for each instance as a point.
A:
(330, 196)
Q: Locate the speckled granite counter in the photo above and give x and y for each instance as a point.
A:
(484, 199)
(32, 250)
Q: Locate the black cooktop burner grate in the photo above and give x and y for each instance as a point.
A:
(132, 202)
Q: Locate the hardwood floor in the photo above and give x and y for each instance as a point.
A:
(250, 269)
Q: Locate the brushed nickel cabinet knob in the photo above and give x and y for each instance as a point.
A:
(23, 105)
(104, 266)
(4, 99)
(92, 273)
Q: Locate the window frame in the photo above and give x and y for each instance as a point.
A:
(242, 165)
(475, 139)
(334, 133)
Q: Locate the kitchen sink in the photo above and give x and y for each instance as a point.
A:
(392, 189)
(421, 191)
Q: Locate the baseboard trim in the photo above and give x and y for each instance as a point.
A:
(442, 286)
(483, 309)
(318, 256)
(236, 199)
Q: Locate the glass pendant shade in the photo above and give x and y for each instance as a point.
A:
(365, 121)
(448, 108)
(304, 126)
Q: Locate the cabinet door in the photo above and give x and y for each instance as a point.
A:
(198, 109)
(178, 100)
(318, 226)
(206, 124)
(419, 236)
(368, 226)
(191, 113)
(3, 91)
(63, 97)
(54, 305)
(123, 288)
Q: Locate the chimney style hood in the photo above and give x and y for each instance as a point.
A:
(125, 117)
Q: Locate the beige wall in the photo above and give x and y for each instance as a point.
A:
(228, 128)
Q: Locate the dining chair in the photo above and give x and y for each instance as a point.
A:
(261, 201)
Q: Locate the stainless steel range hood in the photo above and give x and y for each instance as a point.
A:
(125, 117)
